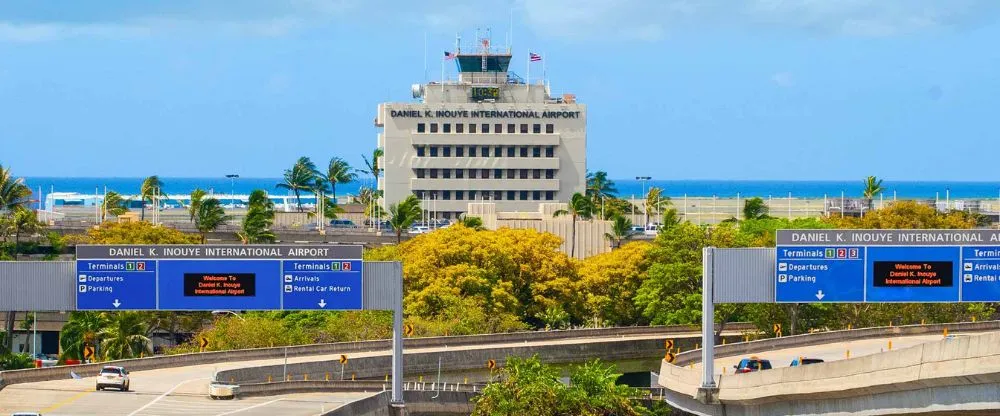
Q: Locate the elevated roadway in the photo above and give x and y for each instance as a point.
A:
(924, 372)
(183, 389)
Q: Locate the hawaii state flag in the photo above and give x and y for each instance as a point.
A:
(448, 55)
(534, 57)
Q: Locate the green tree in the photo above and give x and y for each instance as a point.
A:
(83, 328)
(210, 216)
(197, 196)
(873, 187)
(608, 283)
(114, 204)
(621, 230)
(372, 164)
(403, 215)
(125, 335)
(256, 225)
(139, 232)
(13, 192)
(579, 207)
(656, 202)
(554, 317)
(600, 187)
(755, 208)
(152, 187)
(301, 177)
(369, 198)
(24, 222)
(338, 171)
(472, 222)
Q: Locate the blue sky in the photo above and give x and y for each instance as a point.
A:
(707, 89)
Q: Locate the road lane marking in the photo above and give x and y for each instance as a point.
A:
(251, 407)
(165, 394)
(72, 399)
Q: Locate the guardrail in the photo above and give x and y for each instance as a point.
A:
(151, 363)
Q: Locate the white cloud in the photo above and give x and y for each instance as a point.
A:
(651, 19)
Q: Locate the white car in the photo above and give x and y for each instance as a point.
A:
(419, 229)
(114, 377)
(652, 229)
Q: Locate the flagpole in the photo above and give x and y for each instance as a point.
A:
(528, 71)
(544, 77)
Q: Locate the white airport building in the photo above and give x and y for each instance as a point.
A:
(490, 136)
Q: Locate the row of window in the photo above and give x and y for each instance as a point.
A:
(483, 128)
(485, 173)
(486, 195)
(484, 151)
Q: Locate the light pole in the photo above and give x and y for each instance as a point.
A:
(645, 209)
(232, 188)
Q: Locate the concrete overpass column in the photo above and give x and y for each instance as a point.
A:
(708, 391)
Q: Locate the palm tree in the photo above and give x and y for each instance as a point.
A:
(372, 164)
(655, 202)
(320, 189)
(151, 188)
(755, 209)
(600, 187)
(621, 229)
(338, 171)
(579, 207)
(197, 196)
(13, 192)
(301, 177)
(113, 204)
(369, 198)
(25, 221)
(403, 215)
(125, 336)
(82, 329)
(873, 187)
(210, 216)
(474, 223)
(256, 226)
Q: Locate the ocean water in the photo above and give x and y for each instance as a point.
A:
(626, 187)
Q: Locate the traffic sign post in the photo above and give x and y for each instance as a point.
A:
(203, 343)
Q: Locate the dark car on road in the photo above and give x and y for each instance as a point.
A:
(805, 361)
(752, 364)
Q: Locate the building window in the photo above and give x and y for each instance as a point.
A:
(472, 128)
(550, 128)
(549, 195)
(524, 129)
(550, 173)
(510, 128)
(419, 194)
(434, 151)
(434, 173)
(511, 173)
(420, 173)
(485, 128)
(498, 128)
(459, 128)
(497, 151)
(472, 195)
(421, 127)
(510, 195)
(434, 127)
(524, 151)
(459, 195)
(446, 195)
(446, 128)
(459, 151)
(536, 151)
(524, 195)
(510, 151)
(459, 173)
(536, 174)
(536, 128)
(524, 174)
(485, 173)
(536, 195)
(498, 195)
(446, 151)
(446, 173)
(486, 151)
(549, 151)
(497, 173)
(420, 151)
(472, 151)
(472, 173)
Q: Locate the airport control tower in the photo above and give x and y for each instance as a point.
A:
(490, 136)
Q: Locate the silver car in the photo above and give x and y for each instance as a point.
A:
(113, 377)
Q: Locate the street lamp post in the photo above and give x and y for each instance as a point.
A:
(232, 188)
(643, 179)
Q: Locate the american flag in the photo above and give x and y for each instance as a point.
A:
(534, 57)
(448, 55)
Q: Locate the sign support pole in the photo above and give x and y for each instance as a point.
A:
(708, 390)
(397, 348)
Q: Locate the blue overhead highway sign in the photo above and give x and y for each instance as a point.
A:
(219, 277)
(819, 274)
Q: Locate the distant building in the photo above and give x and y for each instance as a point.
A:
(491, 136)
